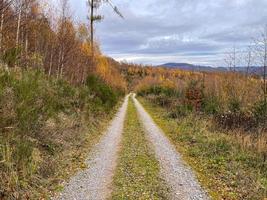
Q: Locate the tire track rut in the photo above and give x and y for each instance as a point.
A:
(94, 183)
(179, 177)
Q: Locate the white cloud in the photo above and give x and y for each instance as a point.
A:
(195, 31)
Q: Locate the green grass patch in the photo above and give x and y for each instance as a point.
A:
(227, 170)
(138, 173)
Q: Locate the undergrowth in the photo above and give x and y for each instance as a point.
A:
(46, 128)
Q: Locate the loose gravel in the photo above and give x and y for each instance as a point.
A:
(94, 183)
(180, 178)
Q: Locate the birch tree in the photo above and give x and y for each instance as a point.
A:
(231, 59)
(61, 34)
(19, 6)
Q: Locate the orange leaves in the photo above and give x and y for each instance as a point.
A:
(224, 86)
(102, 67)
(109, 73)
(86, 49)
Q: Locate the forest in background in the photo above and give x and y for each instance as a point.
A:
(32, 36)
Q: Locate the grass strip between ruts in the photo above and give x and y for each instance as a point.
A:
(138, 173)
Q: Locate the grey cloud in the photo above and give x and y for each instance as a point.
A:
(197, 31)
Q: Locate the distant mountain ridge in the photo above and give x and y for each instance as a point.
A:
(191, 67)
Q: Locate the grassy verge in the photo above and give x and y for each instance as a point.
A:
(137, 174)
(227, 170)
(47, 126)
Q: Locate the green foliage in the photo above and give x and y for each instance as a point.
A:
(11, 56)
(211, 105)
(181, 111)
(103, 93)
(193, 99)
(234, 105)
(260, 111)
(31, 103)
(35, 98)
(160, 90)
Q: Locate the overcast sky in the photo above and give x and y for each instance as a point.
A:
(160, 31)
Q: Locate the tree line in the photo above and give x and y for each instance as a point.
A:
(34, 35)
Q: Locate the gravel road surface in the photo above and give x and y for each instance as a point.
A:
(180, 178)
(94, 183)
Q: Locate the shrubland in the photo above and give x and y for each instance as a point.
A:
(217, 121)
(46, 127)
(234, 103)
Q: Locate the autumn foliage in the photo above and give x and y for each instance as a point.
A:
(32, 35)
(55, 94)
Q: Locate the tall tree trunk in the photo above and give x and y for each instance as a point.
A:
(26, 49)
(18, 31)
(62, 66)
(249, 63)
(92, 28)
(18, 26)
(59, 64)
(51, 61)
(26, 40)
(234, 59)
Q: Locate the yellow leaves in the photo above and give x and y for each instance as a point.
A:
(83, 31)
(168, 83)
(109, 73)
(35, 9)
(86, 49)
(162, 77)
(224, 86)
(102, 67)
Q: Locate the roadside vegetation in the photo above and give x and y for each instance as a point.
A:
(138, 174)
(233, 103)
(224, 167)
(46, 128)
(218, 122)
